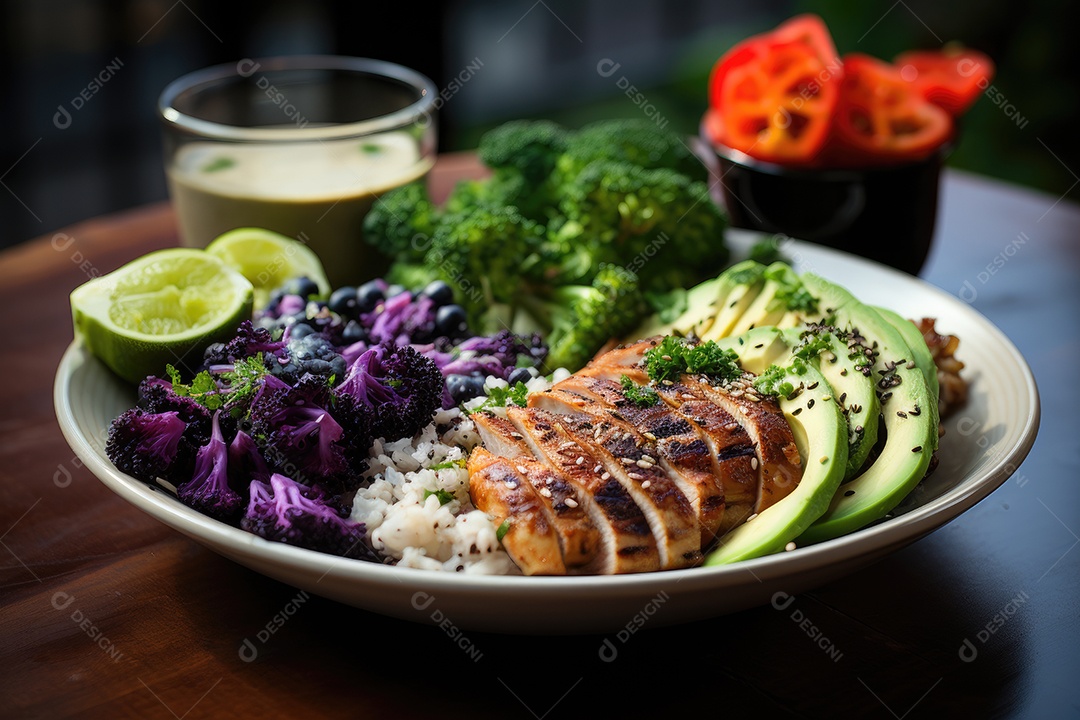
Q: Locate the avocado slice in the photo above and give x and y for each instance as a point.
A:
(924, 359)
(848, 367)
(701, 309)
(821, 435)
(740, 286)
(906, 409)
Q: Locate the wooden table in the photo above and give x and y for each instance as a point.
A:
(107, 613)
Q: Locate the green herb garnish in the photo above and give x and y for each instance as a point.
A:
(217, 164)
(443, 496)
(503, 529)
(202, 388)
(767, 251)
(459, 463)
(516, 394)
(641, 395)
(371, 148)
(772, 382)
(674, 357)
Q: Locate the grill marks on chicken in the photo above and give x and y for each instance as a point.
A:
(623, 488)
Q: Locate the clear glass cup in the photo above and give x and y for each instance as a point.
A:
(302, 145)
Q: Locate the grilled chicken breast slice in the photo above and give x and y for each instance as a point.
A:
(627, 542)
(681, 450)
(622, 453)
(732, 451)
(578, 536)
(498, 488)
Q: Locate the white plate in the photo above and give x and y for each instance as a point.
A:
(984, 444)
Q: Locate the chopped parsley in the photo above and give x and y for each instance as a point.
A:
(791, 294)
(202, 389)
(813, 346)
(443, 496)
(641, 395)
(217, 164)
(773, 382)
(459, 463)
(674, 357)
(516, 394)
(239, 384)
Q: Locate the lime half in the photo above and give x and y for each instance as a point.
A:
(165, 307)
(268, 259)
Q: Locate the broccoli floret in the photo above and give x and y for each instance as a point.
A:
(485, 254)
(288, 512)
(636, 141)
(529, 148)
(657, 221)
(298, 432)
(584, 317)
(397, 387)
(208, 490)
(401, 221)
(148, 446)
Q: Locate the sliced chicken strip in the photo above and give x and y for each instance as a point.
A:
(499, 489)
(627, 543)
(778, 456)
(678, 445)
(733, 453)
(578, 536)
(669, 513)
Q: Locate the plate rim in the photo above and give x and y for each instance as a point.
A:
(868, 541)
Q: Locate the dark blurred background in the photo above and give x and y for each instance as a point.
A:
(80, 135)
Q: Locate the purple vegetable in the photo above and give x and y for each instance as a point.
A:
(397, 387)
(208, 490)
(148, 446)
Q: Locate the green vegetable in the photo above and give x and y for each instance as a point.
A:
(767, 252)
(443, 496)
(516, 394)
(448, 464)
(674, 357)
(635, 141)
(500, 533)
(641, 395)
(218, 163)
(402, 222)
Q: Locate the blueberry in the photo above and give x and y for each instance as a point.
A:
(464, 387)
(301, 330)
(438, 292)
(353, 332)
(450, 320)
(394, 290)
(302, 286)
(522, 374)
(343, 301)
(275, 300)
(368, 296)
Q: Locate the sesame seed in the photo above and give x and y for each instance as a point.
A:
(811, 387)
(545, 492)
(521, 469)
(901, 414)
(598, 468)
(843, 372)
(823, 459)
(580, 460)
(796, 411)
(606, 476)
(517, 436)
(751, 517)
(666, 357)
(570, 502)
(790, 546)
(843, 397)
(649, 459)
(917, 449)
(911, 365)
(753, 463)
(644, 464)
(686, 396)
(510, 484)
(635, 476)
(645, 485)
(753, 397)
(627, 461)
(810, 404)
(849, 493)
(650, 436)
(826, 398)
(667, 383)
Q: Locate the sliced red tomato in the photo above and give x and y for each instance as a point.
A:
(776, 99)
(882, 117)
(951, 78)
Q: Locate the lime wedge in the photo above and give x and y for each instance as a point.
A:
(268, 259)
(165, 307)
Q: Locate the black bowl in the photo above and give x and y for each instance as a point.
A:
(886, 213)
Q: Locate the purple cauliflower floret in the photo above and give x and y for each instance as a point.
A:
(208, 489)
(397, 387)
(246, 463)
(506, 348)
(148, 445)
(156, 396)
(401, 321)
(249, 341)
(288, 512)
(297, 430)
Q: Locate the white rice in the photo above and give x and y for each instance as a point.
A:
(419, 532)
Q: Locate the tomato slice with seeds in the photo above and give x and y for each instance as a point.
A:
(951, 78)
(881, 116)
(776, 98)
